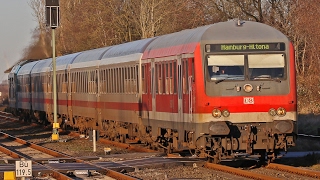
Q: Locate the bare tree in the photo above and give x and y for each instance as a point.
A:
(40, 48)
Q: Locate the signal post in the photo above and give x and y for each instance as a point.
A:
(52, 18)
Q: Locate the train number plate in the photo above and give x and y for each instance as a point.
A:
(248, 100)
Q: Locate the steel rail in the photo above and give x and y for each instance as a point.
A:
(109, 172)
(239, 172)
(53, 173)
(290, 169)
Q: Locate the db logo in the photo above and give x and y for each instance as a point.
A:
(248, 100)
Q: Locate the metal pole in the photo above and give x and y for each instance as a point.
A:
(55, 132)
(94, 140)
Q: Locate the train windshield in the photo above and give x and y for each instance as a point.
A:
(266, 66)
(226, 67)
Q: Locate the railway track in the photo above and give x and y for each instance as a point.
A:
(39, 154)
(63, 166)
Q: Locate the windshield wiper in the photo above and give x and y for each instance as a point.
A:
(220, 80)
(276, 79)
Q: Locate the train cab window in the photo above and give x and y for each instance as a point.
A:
(226, 67)
(266, 66)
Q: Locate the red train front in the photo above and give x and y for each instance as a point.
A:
(236, 93)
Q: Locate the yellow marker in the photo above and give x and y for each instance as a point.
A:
(9, 175)
(55, 137)
(56, 126)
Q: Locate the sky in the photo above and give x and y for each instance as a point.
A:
(16, 27)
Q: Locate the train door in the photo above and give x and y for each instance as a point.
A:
(180, 90)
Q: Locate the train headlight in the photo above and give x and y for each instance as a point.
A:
(247, 88)
(225, 113)
(281, 111)
(272, 112)
(238, 88)
(284, 126)
(216, 113)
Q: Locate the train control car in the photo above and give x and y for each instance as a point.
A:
(220, 91)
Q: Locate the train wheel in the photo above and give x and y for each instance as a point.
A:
(169, 148)
(271, 157)
(122, 138)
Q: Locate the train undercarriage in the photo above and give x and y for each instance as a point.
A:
(252, 141)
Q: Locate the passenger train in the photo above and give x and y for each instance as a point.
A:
(220, 91)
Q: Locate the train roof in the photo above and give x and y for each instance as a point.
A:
(185, 42)
(249, 31)
(26, 68)
(42, 66)
(63, 61)
(90, 55)
(127, 48)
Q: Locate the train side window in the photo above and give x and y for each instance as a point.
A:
(116, 77)
(171, 85)
(102, 81)
(27, 85)
(121, 79)
(136, 75)
(175, 76)
(160, 84)
(134, 79)
(192, 70)
(143, 74)
(112, 81)
(167, 79)
(81, 82)
(155, 78)
(107, 81)
(76, 82)
(126, 90)
(65, 83)
(184, 77)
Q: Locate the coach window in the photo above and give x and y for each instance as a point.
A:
(166, 76)
(64, 83)
(84, 82)
(76, 82)
(266, 66)
(143, 79)
(225, 67)
(103, 82)
(175, 76)
(111, 81)
(171, 82)
(108, 80)
(119, 79)
(155, 78)
(81, 82)
(45, 83)
(132, 84)
(135, 79)
(185, 76)
(27, 84)
(58, 83)
(160, 88)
